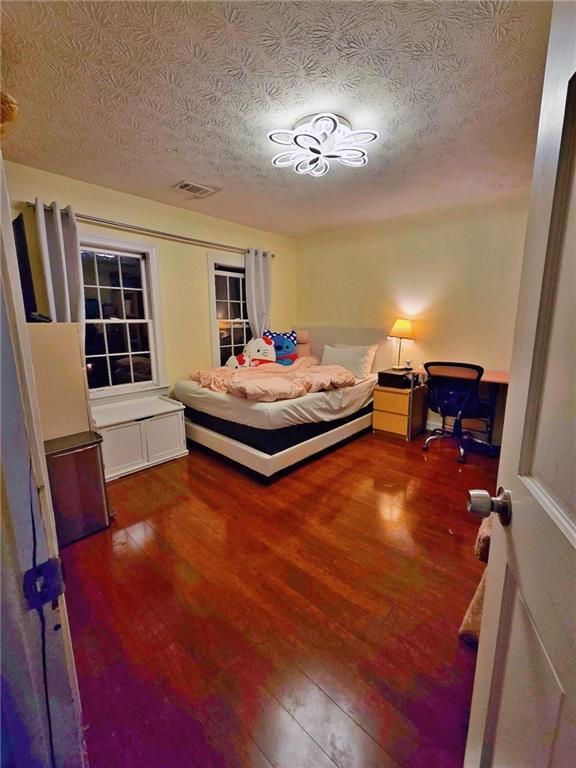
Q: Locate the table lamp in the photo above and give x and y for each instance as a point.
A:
(402, 329)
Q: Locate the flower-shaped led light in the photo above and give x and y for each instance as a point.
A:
(317, 140)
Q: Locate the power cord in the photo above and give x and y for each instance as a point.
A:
(42, 618)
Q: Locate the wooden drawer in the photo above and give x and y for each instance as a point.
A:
(393, 402)
(390, 422)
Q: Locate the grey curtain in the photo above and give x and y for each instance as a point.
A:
(258, 289)
(60, 249)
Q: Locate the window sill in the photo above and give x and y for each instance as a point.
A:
(128, 394)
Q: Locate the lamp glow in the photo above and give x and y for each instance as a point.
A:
(317, 141)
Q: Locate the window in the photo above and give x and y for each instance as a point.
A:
(119, 333)
(231, 329)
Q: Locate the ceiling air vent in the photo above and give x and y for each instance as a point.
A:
(196, 190)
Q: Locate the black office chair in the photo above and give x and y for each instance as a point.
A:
(453, 393)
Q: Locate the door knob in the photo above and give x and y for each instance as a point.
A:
(481, 504)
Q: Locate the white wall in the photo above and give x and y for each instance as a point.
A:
(454, 271)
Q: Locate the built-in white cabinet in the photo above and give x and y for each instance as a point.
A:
(139, 433)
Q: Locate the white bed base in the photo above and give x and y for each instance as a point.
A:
(265, 464)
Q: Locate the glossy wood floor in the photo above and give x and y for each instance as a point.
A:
(306, 624)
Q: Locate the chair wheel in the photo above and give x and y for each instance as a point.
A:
(424, 447)
(461, 460)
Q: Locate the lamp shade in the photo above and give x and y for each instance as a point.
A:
(402, 329)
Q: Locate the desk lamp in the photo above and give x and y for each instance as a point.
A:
(402, 329)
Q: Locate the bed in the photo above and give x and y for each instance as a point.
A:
(269, 437)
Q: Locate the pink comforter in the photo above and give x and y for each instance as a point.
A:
(270, 382)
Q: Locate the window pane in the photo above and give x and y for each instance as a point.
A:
(238, 334)
(221, 292)
(120, 369)
(131, 272)
(88, 268)
(112, 303)
(91, 303)
(225, 353)
(225, 334)
(97, 372)
(235, 311)
(238, 349)
(222, 310)
(142, 366)
(139, 337)
(244, 311)
(234, 287)
(117, 337)
(134, 305)
(108, 269)
(95, 339)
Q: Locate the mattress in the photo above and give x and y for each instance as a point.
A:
(314, 408)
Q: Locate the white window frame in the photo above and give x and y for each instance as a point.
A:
(153, 306)
(235, 261)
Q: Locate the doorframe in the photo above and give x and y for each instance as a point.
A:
(66, 713)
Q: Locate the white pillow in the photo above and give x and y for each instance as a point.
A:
(357, 360)
(370, 352)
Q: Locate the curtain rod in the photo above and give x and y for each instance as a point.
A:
(151, 232)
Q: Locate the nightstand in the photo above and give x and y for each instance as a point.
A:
(400, 411)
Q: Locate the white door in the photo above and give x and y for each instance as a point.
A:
(524, 701)
(41, 715)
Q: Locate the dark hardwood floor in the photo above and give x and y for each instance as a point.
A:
(310, 623)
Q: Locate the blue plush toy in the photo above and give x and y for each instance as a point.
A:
(284, 345)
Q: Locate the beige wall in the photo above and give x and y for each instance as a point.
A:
(183, 268)
(455, 272)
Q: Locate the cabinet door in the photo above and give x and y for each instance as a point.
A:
(165, 436)
(124, 448)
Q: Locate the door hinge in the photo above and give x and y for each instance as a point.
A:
(44, 583)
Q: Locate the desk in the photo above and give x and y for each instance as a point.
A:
(489, 377)
(498, 379)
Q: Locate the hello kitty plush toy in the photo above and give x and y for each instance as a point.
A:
(236, 361)
(259, 351)
(256, 352)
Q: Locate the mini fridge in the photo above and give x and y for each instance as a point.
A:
(77, 485)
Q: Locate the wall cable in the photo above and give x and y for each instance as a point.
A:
(42, 618)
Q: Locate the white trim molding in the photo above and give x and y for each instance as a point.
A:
(235, 260)
(153, 299)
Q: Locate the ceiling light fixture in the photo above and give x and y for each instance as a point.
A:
(319, 139)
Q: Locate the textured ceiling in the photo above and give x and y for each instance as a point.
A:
(138, 96)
